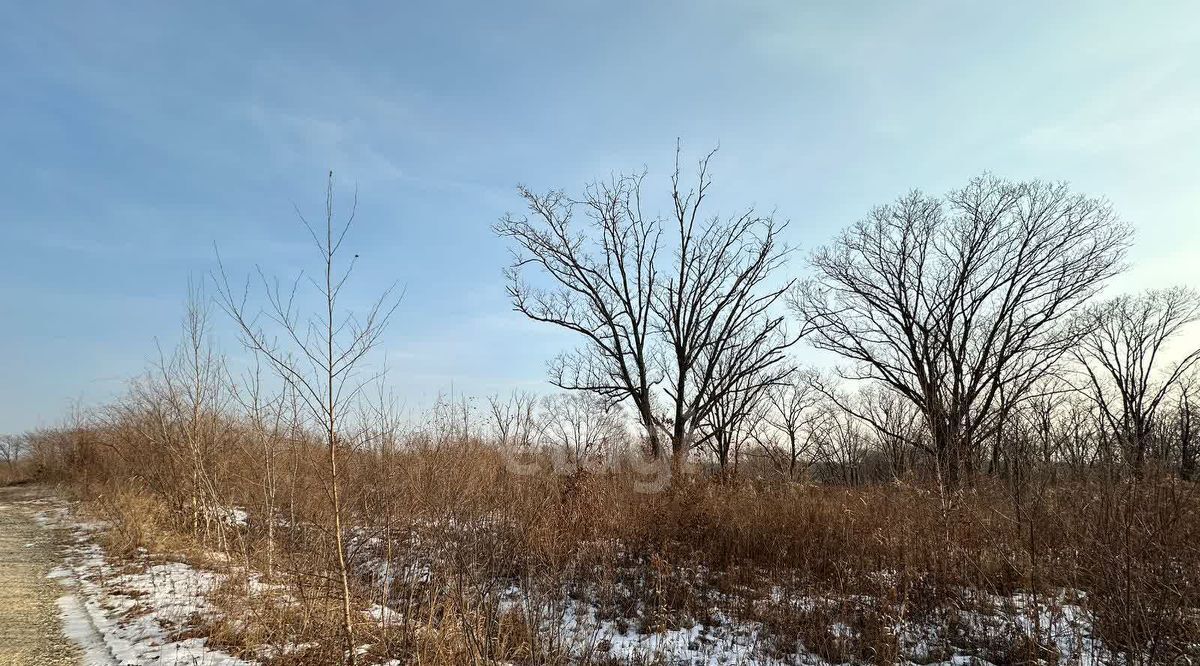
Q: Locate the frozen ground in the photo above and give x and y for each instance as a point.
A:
(56, 583)
(971, 629)
(132, 613)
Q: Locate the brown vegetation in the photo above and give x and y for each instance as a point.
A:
(479, 564)
(1006, 470)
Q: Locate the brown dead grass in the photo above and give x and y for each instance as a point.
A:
(459, 531)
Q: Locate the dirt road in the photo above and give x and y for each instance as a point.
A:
(30, 629)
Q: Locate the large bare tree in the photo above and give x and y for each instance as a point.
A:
(602, 271)
(674, 313)
(1124, 350)
(961, 303)
(715, 311)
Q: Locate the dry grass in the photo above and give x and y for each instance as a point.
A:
(483, 565)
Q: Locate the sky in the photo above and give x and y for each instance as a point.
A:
(138, 138)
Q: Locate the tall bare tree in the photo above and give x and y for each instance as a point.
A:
(960, 304)
(1123, 350)
(679, 334)
(602, 272)
(265, 429)
(320, 355)
(716, 310)
(179, 406)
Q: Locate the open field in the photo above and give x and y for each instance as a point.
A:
(580, 333)
(455, 559)
(1007, 475)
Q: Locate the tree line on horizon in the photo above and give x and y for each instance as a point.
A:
(969, 327)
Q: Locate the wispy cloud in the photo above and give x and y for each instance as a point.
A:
(1141, 111)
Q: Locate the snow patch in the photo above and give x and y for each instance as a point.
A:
(134, 614)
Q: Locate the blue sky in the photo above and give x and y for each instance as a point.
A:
(137, 135)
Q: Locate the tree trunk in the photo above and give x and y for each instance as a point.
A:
(347, 616)
(652, 434)
(948, 445)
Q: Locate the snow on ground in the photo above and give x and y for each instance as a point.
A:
(132, 614)
(729, 644)
(233, 516)
(979, 624)
(136, 613)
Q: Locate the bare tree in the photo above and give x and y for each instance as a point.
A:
(196, 382)
(786, 415)
(688, 332)
(716, 310)
(381, 416)
(453, 419)
(583, 426)
(12, 447)
(603, 272)
(732, 420)
(896, 424)
(841, 442)
(961, 304)
(179, 406)
(514, 420)
(319, 355)
(1079, 446)
(1123, 351)
(265, 430)
(1034, 435)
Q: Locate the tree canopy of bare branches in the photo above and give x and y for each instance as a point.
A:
(784, 431)
(583, 427)
(12, 447)
(960, 304)
(514, 419)
(675, 314)
(1123, 350)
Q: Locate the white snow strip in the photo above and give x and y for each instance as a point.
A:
(122, 618)
(78, 627)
